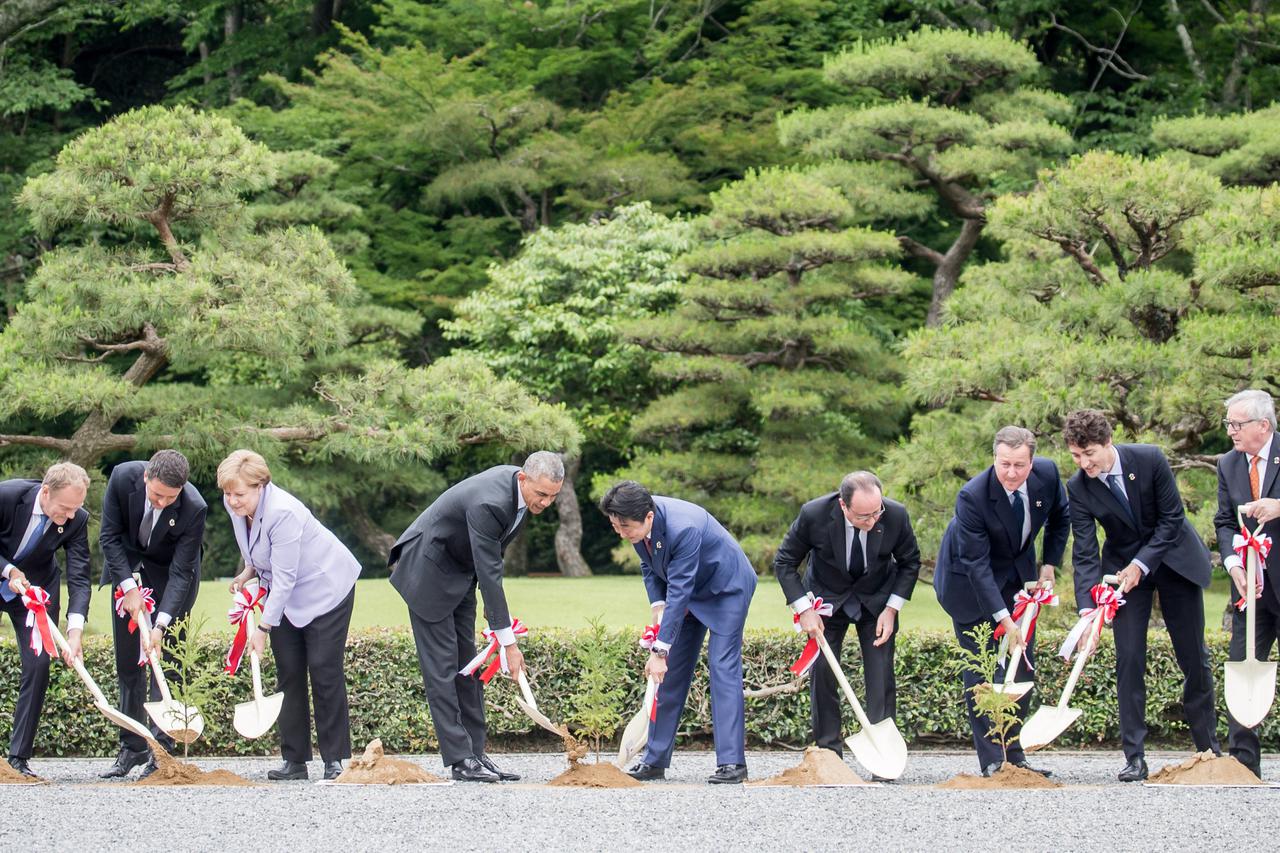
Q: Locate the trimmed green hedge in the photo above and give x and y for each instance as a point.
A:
(387, 699)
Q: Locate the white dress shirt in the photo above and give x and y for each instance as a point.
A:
(162, 619)
(800, 605)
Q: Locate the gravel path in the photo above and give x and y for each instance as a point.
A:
(79, 813)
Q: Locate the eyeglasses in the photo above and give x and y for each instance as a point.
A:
(867, 516)
(1236, 426)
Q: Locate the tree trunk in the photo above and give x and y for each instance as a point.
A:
(367, 531)
(16, 14)
(321, 16)
(947, 273)
(203, 47)
(569, 531)
(231, 23)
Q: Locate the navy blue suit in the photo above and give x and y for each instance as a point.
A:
(701, 573)
(983, 562)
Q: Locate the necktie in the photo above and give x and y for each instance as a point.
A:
(144, 529)
(857, 564)
(1255, 485)
(1117, 489)
(5, 592)
(648, 546)
(1019, 513)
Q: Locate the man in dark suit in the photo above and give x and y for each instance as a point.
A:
(36, 520)
(456, 544)
(1130, 491)
(863, 561)
(153, 523)
(1247, 479)
(988, 555)
(699, 581)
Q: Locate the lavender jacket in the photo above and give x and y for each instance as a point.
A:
(307, 571)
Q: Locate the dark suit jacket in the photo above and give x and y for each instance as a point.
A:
(981, 554)
(1233, 490)
(40, 565)
(893, 558)
(172, 553)
(456, 544)
(1163, 539)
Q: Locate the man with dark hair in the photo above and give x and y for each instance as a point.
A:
(699, 581)
(1130, 491)
(153, 524)
(455, 545)
(988, 554)
(863, 561)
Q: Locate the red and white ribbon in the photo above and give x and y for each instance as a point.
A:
(1036, 599)
(1107, 600)
(148, 604)
(242, 604)
(494, 649)
(36, 600)
(1242, 543)
(649, 636)
(811, 649)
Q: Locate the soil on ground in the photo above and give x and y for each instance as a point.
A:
(377, 768)
(819, 767)
(1204, 768)
(171, 771)
(9, 776)
(1007, 777)
(598, 775)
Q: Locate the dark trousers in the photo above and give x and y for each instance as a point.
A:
(877, 672)
(135, 681)
(1244, 743)
(316, 650)
(1182, 603)
(984, 744)
(34, 681)
(456, 701)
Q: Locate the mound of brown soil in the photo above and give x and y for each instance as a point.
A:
(1204, 768)
(9, 776)
(171, 771)
(376, 768)
(819, 767)
(599, 775)
(1007, 777)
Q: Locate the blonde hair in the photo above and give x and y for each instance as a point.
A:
(63, 474)
(245, 467)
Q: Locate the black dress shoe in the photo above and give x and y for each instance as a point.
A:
(332, 770)
(647, 772)
(729, 774)
(992, 769)
(1134, 771)
(126, 761)
(290, 771)
(1025, 766)
(493, 768)
(151, 767)
(470, 769)
(20, 764)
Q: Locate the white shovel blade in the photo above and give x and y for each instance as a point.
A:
(881, 749)
(636, 735)
(540, 718)
(184, 725)
(254, 718)
(1045, 725)
(1014, 688)
(1250, 687)
(124, 722)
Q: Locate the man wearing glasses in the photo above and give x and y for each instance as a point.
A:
(863, 561)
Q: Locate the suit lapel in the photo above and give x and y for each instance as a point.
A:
(838, 538)
(1102, 493)
(1132, 486)
(1004, 510)
(658, 536)
(1038, 493)
(1273, 465)
(137, 506)
(873, 546)
(258, 515)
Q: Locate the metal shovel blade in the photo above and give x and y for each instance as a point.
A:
(1250, 687)
(1045, 724)
(255, 718)
(880, 748)
(180, 722)
(636, 735)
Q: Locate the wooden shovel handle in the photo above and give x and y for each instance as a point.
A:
(863, 720)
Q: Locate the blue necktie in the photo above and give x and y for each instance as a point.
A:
(1019, 511)
(1117, 489)
(5, 592)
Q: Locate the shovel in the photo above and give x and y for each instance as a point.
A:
(1049, 721)
(1249, 684)
(1011, 684)
(878, 747)
(530, 706)
(636, 735)
(254, 718)
(181, 722)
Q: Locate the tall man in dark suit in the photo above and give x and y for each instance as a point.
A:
(863, 561)
(699, 581)
(988, 554)
(456, 544)
(36, 520)
(1247, 479)
(152, 523)
(1130, 491)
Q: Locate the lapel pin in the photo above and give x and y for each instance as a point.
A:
(1276, 461)
(1039, 504)
(1133, 476)
(657, 545)
(172, 522)
(59, 529)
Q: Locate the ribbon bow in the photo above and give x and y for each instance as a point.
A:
(36, 600)
(1247, 541)
(242, 604)
(650, 636)
(494, 649)
(1040, 597)
(1107, 600)
(148, 604)
(810, 654)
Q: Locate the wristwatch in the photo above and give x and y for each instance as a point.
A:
(662, 653)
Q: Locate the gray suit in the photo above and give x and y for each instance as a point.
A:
(455, 545)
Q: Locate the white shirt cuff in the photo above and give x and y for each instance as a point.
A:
(1139, 564)
(1233, 562)
(505, 636)
(162, 620)
(896, 602)
(128, 584)
(800, 605)
(75, 622)
(8, 567)
(661, 646)
(659, 603)
(1000, 614)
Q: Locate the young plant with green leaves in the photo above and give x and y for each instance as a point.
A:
(999, 708)
(196, 679)
(596, 709)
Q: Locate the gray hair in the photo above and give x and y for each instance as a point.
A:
(858, 481)
(169, 467)
(1258, 404)
(1014, 437)
(544, 465)
(63, 474)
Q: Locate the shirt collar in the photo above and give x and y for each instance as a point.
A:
(1117, 470)
(1022, 490)
(1264, 451)
(520, 504)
